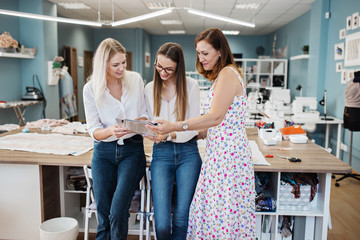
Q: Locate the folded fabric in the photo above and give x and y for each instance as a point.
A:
(296, 129)
(76, 184)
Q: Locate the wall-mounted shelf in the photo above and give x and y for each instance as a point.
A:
(16, 55)
(298, 57)
(264, 73)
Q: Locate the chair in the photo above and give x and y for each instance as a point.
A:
(90, 206)
(149, 207)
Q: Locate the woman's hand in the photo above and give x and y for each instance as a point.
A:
(202, 134)
(118, 132)
(163, 127)
(157, 139)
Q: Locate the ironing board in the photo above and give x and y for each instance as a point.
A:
(19, 108)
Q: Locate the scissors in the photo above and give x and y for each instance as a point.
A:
(291, 159)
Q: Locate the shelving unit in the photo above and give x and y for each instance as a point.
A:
(308, 224)
(73, 201)
(204, 84)
(264, 73)
(16, 55)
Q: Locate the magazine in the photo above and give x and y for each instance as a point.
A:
(136, 126)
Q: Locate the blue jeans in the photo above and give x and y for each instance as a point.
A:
(117, 171)
(180, 163)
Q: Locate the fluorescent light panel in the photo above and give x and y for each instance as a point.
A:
(74, 5)
(248, 6)
(220, 18)
(142, 17)
(176, 32)
(158, 5)
(228, 32)
(170, 22)
(50, 18)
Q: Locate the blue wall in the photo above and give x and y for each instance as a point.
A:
(10, 76)
(294, 36)
(331, 79)
(238, 44)
(81, 38)
(315, 74)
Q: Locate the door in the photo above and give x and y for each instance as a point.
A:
(70, 60)
(88, 61)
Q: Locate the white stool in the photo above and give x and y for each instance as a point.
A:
(62, 228)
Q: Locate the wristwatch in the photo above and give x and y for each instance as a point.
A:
(185, 126)
(168, 137)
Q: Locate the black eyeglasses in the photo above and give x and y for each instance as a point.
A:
(167, 70)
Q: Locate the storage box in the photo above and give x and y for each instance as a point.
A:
(267, 133)
(287, 200)
(293, 130)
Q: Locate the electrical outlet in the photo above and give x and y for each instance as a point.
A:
(327, 15)
(343, 147)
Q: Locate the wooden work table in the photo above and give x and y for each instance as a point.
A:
(32, 185)
(314, 157)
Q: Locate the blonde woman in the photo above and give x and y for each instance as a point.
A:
(175, 97)
(118, 161)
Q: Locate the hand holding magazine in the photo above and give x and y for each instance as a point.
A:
(136, 126)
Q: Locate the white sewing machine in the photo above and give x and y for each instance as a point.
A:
(305, 107)
(254, 101)
(277, 106)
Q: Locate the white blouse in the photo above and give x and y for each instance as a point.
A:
(167, 108)
(131, 106)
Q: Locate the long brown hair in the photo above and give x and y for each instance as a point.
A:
(174, 52)
(218, 41)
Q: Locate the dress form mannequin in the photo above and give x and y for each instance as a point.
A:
(352, 116)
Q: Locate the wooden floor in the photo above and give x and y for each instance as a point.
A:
(344, 209)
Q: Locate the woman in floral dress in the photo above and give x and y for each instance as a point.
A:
(223, 206)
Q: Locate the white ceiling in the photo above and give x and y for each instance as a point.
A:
(271, 16)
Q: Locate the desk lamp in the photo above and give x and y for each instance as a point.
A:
(323, 103)
(299, 88)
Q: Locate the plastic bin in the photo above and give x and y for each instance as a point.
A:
(62, 228)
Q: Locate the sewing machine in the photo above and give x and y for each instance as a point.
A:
(305, 107)
(278, 104)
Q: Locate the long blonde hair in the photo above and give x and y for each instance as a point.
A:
(174, 52)
(105, 51)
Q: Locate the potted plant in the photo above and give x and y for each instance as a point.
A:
(305, 49)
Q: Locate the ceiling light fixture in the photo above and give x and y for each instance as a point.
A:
(170, 22)
(248, 6)
(158, 5)
(50, 18)
(142, 17)
(74, 5)
(229, 32)
(176, 31)
(220, 18)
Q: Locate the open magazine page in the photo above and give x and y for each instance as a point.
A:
(136, 126)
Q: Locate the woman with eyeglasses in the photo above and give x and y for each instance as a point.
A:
(173, 96)
(223, 206)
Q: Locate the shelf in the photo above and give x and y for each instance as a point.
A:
(298, 57)
(73, 191)
(264, 73)
(16, 55)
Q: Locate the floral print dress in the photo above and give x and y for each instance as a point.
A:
(223, 206)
